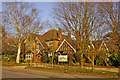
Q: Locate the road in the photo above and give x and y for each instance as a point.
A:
(9, 72)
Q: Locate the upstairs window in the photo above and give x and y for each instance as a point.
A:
(50, 43)
(37, 47)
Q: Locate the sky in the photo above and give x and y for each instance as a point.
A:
(0, 6)
(46, 6)
(46, 9)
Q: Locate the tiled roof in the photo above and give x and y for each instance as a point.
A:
(53, 35)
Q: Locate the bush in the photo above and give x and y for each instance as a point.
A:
(49, 60)
(115, 60)
(22, 59)
(11, 57)
(44, 59)
(56, 59)
(99, 61)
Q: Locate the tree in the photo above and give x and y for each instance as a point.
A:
(82, 19)
(109, 11)
(20, 19)
(4, 46)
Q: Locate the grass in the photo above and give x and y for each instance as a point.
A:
(8, 64)
(77, 71)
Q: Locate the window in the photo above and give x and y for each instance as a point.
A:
(37, 47)
(49, 54)
(38, 56)
(29, 56)
(50, 43)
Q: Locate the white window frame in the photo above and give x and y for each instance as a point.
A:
(29, 56)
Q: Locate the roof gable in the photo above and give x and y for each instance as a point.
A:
(91, 45)
(103, 44)
(40, 43)
(62, 44)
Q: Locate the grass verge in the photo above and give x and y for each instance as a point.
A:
(77, 71)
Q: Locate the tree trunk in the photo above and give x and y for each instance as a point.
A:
(93, 62)
(18, 53)
(106, 59)
(106, 63)
(93, 66)
(70, 59)
(81, 61)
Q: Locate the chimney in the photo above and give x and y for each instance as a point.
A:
(69, 35)
(60, 34)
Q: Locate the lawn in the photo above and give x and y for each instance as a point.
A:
(79, 71)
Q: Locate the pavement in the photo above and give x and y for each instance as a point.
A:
(13, 72)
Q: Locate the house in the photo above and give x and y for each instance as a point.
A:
(33, 48)
(52, 41)
(105, 47)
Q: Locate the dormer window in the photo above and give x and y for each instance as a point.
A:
(50, 43)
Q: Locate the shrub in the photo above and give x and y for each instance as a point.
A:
(115, 59)
(22, 59)
(99, 61)
(44, 59)
(56, 59)
(49, 60)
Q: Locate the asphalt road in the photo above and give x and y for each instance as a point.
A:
(11, 74)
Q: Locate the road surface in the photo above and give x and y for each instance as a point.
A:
(11, 74)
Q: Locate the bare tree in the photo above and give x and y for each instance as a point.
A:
(109, 12)
(20, 19)
(82, 19)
